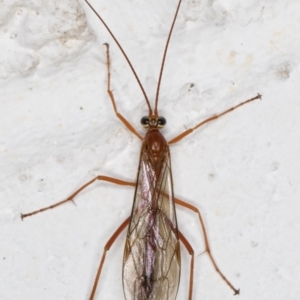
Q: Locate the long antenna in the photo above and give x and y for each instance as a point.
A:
(164, 59)
(125, 55)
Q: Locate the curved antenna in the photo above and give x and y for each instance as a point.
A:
(125, 55)
(164, 59)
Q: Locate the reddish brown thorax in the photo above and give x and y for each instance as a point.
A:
(155, 143)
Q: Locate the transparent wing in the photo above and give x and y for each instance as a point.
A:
(151, 265)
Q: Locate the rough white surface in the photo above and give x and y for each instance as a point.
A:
(58, 130)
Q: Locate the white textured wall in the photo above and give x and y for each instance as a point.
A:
(58, 130)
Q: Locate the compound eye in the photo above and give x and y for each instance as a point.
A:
(145, 122)
(161, 122)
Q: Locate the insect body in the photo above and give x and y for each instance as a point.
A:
(151, 263)
(152, 234)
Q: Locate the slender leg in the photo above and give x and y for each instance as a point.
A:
(191, 252)
(106, 248)
(100, 177)
(214, 117)
(207, 246)
(111, 95)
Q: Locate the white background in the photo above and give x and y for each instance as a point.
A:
(58, 131)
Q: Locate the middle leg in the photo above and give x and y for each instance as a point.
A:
(207, 246)
(100, 177)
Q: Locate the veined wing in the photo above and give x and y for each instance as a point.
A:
(151, 265)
